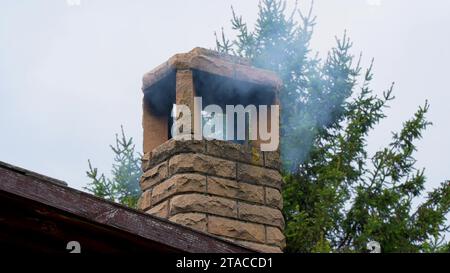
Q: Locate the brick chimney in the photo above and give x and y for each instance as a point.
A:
(230, 189)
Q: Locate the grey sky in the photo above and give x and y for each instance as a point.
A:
(71, 75)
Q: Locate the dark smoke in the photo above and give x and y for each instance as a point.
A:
(160, 97)
(213, 89)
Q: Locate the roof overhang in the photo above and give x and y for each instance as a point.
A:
(43, 214)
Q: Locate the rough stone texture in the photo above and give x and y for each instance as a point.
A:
(193, 220)
(170, 148)
(154, 176)
(185, 91)
(160, 210)
(236, 229)
(275, 236)
(144, 201)
(155, 129)
(259, 175)
(261, 214)
(234, 151)
(183, 163)
(273, 198)
(272, 160)
(144, 160)
(179, 183)
(203, 203)
(259, 247)
(212, 62)
(185, 88)
(232, 189)
(203, 188)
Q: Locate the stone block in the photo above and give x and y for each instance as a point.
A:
(173, 147)
(274, 198)
(178, 183)
(261, 214)
(145, 200)
(238, 190)
(195, 202)
(154, 176)
(234, 151)
(275, 237)
(236, 229)
(183, 163)
(272, 160)
(193, 220)
(259, 175)
(160, 210)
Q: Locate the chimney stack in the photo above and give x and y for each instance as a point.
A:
(228, 188)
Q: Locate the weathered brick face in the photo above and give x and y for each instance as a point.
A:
(217, 187)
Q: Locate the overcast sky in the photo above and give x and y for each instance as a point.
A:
(70, 74)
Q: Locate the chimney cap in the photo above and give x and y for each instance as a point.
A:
(213, 62)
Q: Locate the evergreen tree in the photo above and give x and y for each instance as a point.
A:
(123, 186)
(337, 197)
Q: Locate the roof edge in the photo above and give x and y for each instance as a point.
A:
(51, 192)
